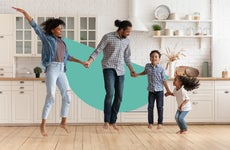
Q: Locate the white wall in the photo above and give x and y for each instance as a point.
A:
(109, 10)
(221, 44)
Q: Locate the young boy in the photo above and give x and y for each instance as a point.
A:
(156, 84)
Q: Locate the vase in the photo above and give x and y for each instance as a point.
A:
(172, 69)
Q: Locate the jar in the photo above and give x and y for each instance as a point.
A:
(196, 16)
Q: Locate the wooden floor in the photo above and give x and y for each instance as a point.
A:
(199, 137)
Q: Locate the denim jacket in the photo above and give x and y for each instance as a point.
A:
(49, 45)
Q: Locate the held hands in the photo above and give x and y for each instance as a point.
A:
(133, 73)
(86, 64)
(168, 93)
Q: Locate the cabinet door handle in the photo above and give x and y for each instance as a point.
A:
(21, 81)
(194, 103)
(43, 81)
(2, 74)
(21, 92)
(1, 92)
(1, 69)
(1, 37)
(226, 92)
(21, 87)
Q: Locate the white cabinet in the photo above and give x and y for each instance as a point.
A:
(88, 114)
(22, 101)
(222, 101)
(202, 100)
(6, 27)
(88, 28)
(6, 57)
(5, 102)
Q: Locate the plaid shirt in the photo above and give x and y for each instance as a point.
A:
(156, 76)
(116, 52)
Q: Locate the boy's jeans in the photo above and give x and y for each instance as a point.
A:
(55, 75)
(159, 97)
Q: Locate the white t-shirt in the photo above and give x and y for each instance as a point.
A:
(182, 95)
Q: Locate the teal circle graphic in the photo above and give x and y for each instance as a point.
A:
(88, 83)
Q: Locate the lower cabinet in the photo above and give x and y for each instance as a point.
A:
(23, 101)
(5, 102)
(222, 101)
(202, 101)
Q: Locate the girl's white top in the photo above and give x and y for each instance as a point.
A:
(182, 95)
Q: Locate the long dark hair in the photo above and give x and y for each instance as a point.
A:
(51, 24)
(122, 24)
(189, 83)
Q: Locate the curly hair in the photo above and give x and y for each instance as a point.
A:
(51, 24)
(189, 83)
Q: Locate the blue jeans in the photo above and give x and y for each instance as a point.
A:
(180, 115)
(159, 97)
(114, 89)
(55, 75)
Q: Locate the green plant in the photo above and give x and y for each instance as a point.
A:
(156, 27)
(37, 70)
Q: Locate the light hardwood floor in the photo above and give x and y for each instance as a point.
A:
(132, 137)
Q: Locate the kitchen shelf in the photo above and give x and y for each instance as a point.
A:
(184, 21)
(195, 36)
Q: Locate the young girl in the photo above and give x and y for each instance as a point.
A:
(156, 84)
(182, 85)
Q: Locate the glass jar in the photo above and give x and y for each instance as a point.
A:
(196, 16)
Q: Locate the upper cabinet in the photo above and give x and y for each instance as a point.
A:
(24, 37)
(6, 24)
(87, 34)
(82, 29)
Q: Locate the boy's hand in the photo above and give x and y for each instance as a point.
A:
(168, 94)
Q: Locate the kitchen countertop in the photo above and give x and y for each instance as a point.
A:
(42, 79)
(21, 78)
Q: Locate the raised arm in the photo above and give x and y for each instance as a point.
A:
(27, 16)
(34, 25)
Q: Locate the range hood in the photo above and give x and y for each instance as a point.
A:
(137, 25)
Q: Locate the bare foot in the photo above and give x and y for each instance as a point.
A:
(63, 126)
(114, 126)
(183, 132)
(106, 125)
(159, 126)
(178, 132)
(150, 126)
(43, 130)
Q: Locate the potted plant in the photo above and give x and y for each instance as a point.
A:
(156, 30)
(37, 71)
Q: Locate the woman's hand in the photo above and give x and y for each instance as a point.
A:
(27, 16)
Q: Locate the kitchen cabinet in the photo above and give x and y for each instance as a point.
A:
(5, 102)
(6, 27)
(24, 37)
(202, 100)
(22, 101)
(88, 28)
(88, 114)
(6, 57)
(222, 102)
